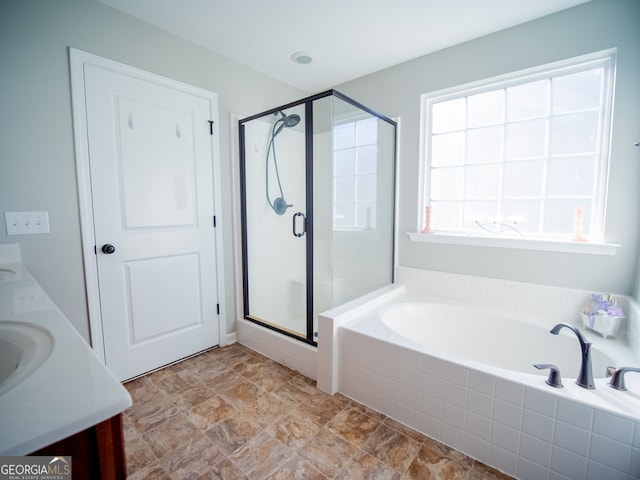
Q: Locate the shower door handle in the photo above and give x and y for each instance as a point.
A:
(304, 224)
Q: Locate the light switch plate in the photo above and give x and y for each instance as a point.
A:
(26, 223)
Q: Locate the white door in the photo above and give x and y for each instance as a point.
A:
(150, 155)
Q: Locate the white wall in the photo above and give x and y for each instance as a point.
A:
(37, 163)
(597, 25)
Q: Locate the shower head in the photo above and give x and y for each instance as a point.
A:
(287, 121)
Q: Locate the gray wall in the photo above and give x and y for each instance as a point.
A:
(594, 26)
(37, 164)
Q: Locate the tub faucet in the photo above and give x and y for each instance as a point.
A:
(585, 376)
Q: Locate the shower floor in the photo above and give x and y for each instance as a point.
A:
(231, 413)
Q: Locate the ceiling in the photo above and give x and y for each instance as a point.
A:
(346, 39)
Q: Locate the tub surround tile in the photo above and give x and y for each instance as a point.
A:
(610, 452)
(613, 427)
(575, 414)
(571, 438)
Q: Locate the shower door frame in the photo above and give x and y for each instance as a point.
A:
(309, 217)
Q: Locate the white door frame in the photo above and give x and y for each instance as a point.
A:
(78, 59)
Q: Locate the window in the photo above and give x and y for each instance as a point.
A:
(523, 155)
(355, 158)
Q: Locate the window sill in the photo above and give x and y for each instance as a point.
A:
(608, 249)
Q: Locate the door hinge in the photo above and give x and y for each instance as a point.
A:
(218, 308)
(95, 250)
(214, 221)
(211, 122)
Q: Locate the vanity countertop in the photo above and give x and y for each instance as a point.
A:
(71, 391)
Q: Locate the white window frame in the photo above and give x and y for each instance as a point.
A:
(605, 58)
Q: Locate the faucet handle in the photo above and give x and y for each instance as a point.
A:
(554, 379)
(617, 379)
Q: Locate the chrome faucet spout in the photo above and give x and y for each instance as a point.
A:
(585, 376)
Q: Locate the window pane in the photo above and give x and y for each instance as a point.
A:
(345, 189)
(577, 91)
(523, 179)
(526, 139)
(482, 181)
(528, 101)
(446, 215)
(560, 216)
(448, 116)
(571, 176)
(367, 159)
(345, 162)
(576, 133)
(448, 149)
(366, 188)
(479, 213)
(524, 149)
(344, 135)
(486, 109)
(367, 131)
(522, 214)
(345, 214)
(485, 145)
(446, 183)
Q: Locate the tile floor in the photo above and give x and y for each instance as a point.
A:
(231, 413)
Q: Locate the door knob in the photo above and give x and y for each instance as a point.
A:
(108, 248)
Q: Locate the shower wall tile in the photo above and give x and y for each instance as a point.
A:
(479, 290)
(463, 289)
(530, 300)
(495, 293)
(512, 296)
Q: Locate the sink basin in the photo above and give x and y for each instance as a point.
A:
(24, 347)
(6, 273)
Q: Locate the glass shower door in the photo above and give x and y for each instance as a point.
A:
(274, 209)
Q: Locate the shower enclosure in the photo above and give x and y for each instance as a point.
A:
(318, 201)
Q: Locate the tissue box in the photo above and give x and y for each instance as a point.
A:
(604, 325)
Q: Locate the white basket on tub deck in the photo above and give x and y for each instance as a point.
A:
(602, 315)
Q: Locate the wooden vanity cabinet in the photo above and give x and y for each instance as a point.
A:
(97, 453)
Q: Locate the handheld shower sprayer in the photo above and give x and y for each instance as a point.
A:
(279, 205)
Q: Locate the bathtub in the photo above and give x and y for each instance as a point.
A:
(463, 375)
